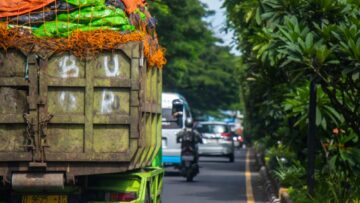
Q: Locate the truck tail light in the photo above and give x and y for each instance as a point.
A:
(121, 196)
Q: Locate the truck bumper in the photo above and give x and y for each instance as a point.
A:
(146, 183)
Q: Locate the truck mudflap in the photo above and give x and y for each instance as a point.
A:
(135, 187)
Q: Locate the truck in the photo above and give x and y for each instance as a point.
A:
(60, 134)
(76, 129)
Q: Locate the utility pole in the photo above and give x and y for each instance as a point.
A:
(311, 138)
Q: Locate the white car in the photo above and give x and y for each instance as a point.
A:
(217, 139)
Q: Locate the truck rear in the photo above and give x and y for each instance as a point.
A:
(80, 109)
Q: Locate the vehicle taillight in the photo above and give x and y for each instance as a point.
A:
(121, 196)
(226, 135)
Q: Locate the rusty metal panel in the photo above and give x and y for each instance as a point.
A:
(135, 74)
(114, 138)
(80, 117)
(12, 138)
(13, 101)
(111, 101)
(151, 128)
(112, 65)
(65, 100)
(153, 85)
(148, 86)
(12, 81)
(69, 82)
(148, 138)
(65, 66)
(157, 140)
(135, 116)
(65, 138)
(101, 108)
(12, 64)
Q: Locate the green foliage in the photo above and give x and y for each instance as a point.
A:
(293, 175)
(204, 72)
(260, 144)
(342, 169)
(296, 105)
(341, 153)
(285, 44)
(276, 153)
(300, 195)
(303, 40)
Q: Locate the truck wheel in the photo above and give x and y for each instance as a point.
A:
(231, 158)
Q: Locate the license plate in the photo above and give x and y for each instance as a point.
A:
(44, 199)
(188, 158)
(210, 141)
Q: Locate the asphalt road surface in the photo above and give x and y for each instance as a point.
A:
(218, 182)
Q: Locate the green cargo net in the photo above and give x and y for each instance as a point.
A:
(83, 27)
(59, 18)
(86, 19)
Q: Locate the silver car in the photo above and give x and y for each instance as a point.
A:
(217, 139)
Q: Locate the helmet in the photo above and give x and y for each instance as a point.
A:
(189, 122)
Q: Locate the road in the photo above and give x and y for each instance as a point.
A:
(218, 182)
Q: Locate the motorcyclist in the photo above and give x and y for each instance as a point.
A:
(189, 139)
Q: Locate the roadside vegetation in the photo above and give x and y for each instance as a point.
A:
(286, 44)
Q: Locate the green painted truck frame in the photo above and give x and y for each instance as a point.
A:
(64, 119)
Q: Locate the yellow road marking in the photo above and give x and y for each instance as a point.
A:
(249, 192)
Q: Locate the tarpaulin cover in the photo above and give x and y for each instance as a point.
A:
(40, 16)
(18, 7)
(83, 3)
(89, 14)
(86, 19)
(113, 21)
(54, 28)
(132, 5)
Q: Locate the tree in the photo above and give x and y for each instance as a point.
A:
(316, 39)
(285, 44)
(198, 68)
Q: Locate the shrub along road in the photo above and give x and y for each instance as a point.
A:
(218, 182)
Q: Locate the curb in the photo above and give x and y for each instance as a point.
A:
(285, 198)
(270, 188)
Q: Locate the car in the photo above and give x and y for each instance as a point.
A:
(217, 139)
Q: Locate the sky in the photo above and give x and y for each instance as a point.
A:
(218, 22)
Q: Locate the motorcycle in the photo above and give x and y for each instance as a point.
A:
(189, 167)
